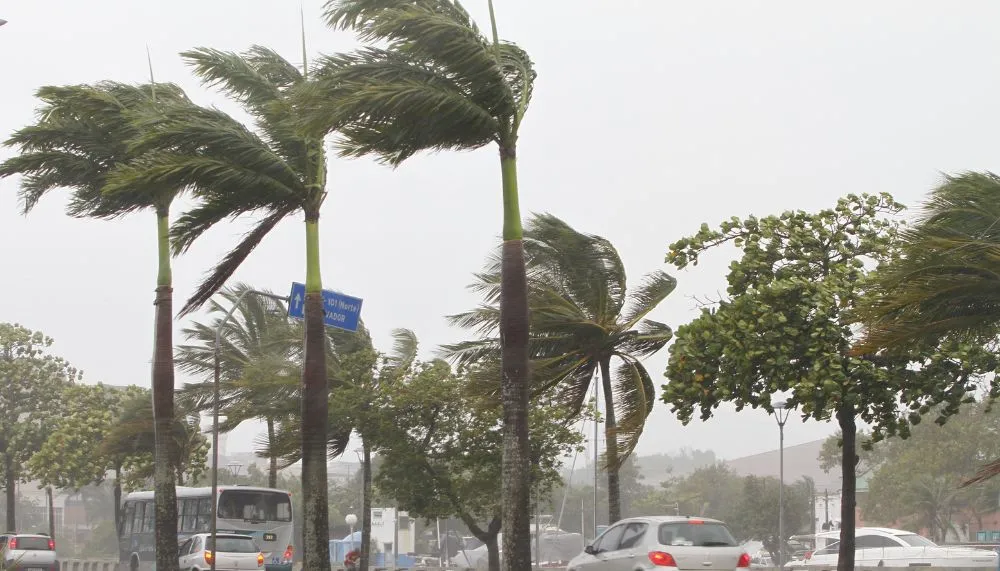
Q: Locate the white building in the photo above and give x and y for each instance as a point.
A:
(390, 527)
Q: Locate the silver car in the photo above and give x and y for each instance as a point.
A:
(28, 552)
(675, 542)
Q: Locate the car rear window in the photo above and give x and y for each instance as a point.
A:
(33, 543)
(234, 545)
(707, 534)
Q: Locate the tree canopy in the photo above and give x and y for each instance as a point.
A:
(787, 328)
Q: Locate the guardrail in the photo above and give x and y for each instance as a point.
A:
(89, 565)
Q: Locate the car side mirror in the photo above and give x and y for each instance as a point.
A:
(589, 550)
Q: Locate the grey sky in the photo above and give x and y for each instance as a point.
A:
(649, 118)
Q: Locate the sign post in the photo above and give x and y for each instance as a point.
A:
(339, 310)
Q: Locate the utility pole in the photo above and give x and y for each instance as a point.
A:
(826, 502)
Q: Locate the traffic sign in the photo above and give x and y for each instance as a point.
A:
(339, 310)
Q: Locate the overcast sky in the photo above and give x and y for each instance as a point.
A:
(649, 117)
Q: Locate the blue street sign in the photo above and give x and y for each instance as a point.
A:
(340, 311)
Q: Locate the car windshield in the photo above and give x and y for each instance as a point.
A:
(707, 534)
(33, 543)
(916, 540)
(233, 545)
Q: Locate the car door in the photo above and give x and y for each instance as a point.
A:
(631, 547)
(184, 554)
(603, 549)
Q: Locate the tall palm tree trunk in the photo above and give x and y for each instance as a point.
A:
(164, 490)
(272, 467)
(366, 505)
(611, 445)
(514, 384)
(848, 501)
(315, 407)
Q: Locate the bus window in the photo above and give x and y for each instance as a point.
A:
(189, 515)
(204, 514)
(250, 505)
(126, 524)
(137, 517)
(150, 520)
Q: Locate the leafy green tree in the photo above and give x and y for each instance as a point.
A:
(583, 319)
(917, 483)
(943, 283)
(131, 441)
(74, 455)
(257, 366)
(429, 79)
(234, 170)
(787, 328)
(443, 453)
(755, 517)
(81, 136)
(31, 381)
(832, 454)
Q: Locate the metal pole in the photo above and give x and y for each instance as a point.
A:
(781, 496)
(781, 413)
(597, 410)
(215, 409)
(538, 532)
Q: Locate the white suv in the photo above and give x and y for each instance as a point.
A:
(28, 552)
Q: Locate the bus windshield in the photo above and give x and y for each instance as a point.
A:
(254, 505)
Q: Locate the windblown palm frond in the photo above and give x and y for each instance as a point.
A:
(948, 278)
(231, 168)
(581, 315)
(81, 135)
(437, 83)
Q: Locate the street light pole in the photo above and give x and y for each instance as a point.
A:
(215, 409)
(781, 415)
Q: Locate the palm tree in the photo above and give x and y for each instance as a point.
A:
(361, 377)
(430, 80)
(234, 170)
(582, 319)
(80, 137)
(947, 280)
(257, 359)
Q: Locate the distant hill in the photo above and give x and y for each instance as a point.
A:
(657, 468)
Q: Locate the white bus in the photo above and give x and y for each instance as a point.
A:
(263, 513)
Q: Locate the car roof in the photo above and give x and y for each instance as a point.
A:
(26, 534)
(835, 533)
(670, 519)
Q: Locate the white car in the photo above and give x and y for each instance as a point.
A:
(884, 547)
(28, 552)
(235, 553)
(674, 542)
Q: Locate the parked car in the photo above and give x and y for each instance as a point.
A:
(645, 543)
(236, 553)
(884, 547)
(28, 552)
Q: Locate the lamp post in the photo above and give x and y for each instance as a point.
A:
(234, 468)
(351, 520)
(781, 415)
(215, 407)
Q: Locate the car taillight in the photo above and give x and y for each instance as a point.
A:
(208, 557)
(744, 560)
(260, 560)
(13, 543)
(52, 545)
(662, 559)
(288, 553)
